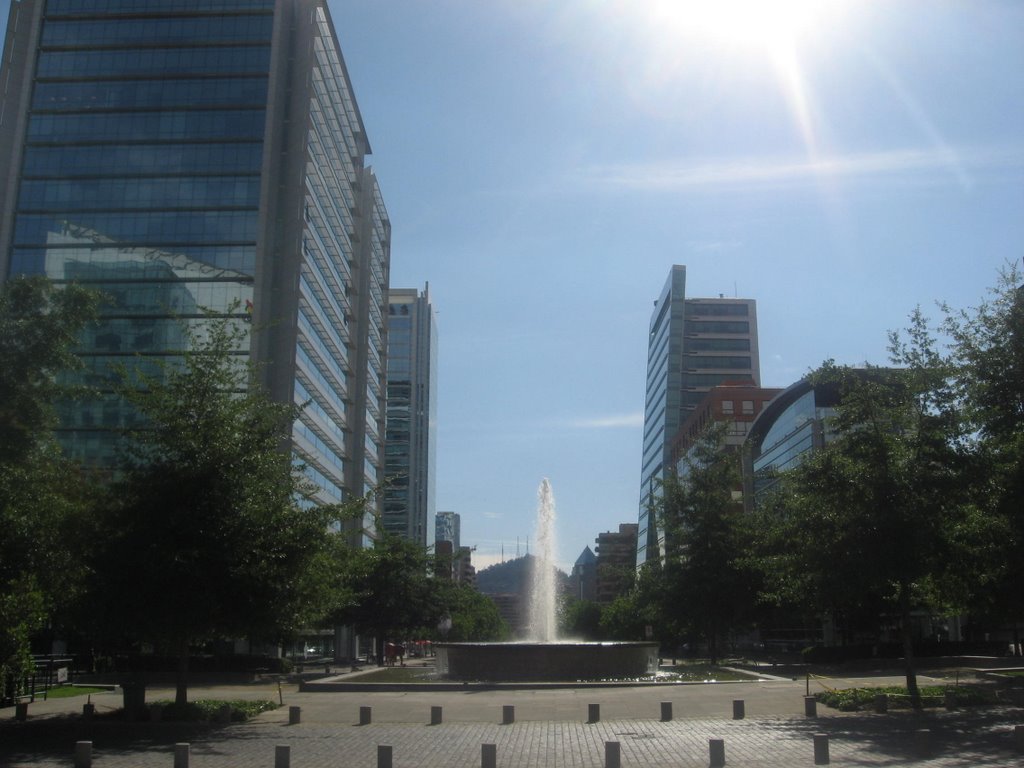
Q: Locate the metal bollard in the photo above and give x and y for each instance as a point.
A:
(612, 755)
(83, 754)
(21, 711)
(1018, 737)
(881, 703)
(224, 716)
(716, 753)
(282, 756)
(949, 699)
(383, 756)
(738, 709)
(821, 749)
(508, 714)
(365, 715)
(88, 710)
(666, 711)
(810, 706)
(488, 756)
(593, 713)
(294, 715)
(923, 741)
(181, 754)
(435, 715)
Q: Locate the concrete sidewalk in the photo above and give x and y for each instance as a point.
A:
(550, 729)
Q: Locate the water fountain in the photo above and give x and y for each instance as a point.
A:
(544, 657)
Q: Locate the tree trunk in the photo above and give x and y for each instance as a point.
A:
(181, 677)
(908, 648)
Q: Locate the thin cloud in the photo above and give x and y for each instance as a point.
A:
(775, 171)
(612, 421)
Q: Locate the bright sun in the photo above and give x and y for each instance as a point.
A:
(771, 24)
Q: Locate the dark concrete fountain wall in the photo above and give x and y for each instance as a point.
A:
(545, 661)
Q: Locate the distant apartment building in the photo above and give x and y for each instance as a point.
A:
(694, 344)
(616, 552)
(411, 423)
(193, 157)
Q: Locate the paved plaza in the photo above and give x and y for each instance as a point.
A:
(550, 728)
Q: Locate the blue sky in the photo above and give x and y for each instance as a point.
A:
(545, 163)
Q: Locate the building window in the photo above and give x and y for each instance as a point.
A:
(748, 406)
(727, 406)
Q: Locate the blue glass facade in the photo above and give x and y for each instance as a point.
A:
(192, 155)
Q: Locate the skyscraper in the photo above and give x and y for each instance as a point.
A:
(693, 345)
(191, 155)
(411, 423)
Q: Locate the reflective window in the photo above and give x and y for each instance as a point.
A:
(86, 7)
(89, 263)
(706, 361)
(695, 308)
(716, 345)
(153, 227)
(79, 195)
(147, 126)
(161, 30)
(237, 157)
(160, 62)
(140, 94)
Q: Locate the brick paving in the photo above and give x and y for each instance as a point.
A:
(550, 729)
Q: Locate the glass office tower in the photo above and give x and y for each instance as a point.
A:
(411, 424)
(184, 156)
(693, 345)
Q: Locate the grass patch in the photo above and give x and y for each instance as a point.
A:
(854, 699)
(67, 691)
(1011, 672)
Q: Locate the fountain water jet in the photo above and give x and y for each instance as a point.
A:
(544, 658)
(543, 584)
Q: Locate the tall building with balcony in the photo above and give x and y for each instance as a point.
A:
(185, 156)
(411, 421)
(694, 344)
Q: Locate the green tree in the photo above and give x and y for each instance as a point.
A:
(988, 351)
(581, 620)
(708, 591)
(43, 497)
(389, 591)
(880, 516)
(474, 616)
(208, 533)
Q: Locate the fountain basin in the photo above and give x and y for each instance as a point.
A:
(554, 661)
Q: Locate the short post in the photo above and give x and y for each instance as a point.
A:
(922, 741)
(88, 710)
(1018, 737)
(666, 711)
(294, 715)
(21, 711)
(593, 713)
(881, 703)
(282, 756)
(224, 716)
(365, 715)
(810, 706)
(716, 752)
(738, 709)
(821, 749)
(435, 715)
(383, 756)
(949, 699)
(181, 753)
(83, 754)
(156, 713)
(612, 755)
(488, 756)
(508, 714)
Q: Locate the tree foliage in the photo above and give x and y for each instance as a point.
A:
(880, 518)
(43, 498)
(208, 533)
